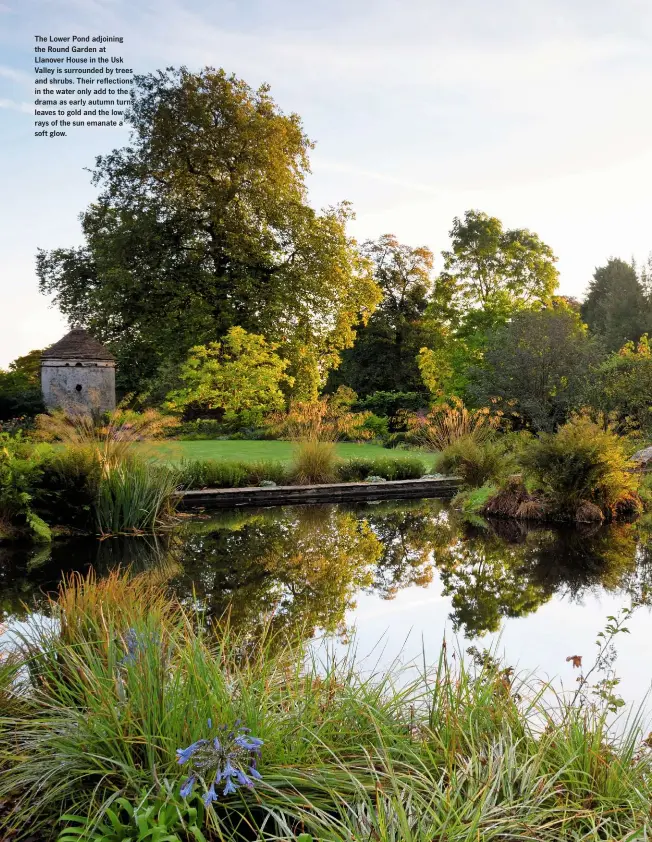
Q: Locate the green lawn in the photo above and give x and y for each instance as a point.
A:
(273, 451)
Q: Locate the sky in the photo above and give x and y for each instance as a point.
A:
(537, 113)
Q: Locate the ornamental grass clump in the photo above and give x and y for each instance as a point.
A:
(476, 461)
(447, 423)
(314, 462)
(136, 496)
(581, 472)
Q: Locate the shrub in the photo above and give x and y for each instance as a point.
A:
(378, 427)
(360, 468)
(389, 404)
(213, 473)
(21, 469)
(314, 462)
(68, 487)
(475, 461)
(581, 464)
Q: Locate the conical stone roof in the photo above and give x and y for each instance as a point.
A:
(78, 345)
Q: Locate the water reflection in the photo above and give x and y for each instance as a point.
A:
(303, 567)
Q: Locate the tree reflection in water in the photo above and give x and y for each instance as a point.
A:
(302, 567)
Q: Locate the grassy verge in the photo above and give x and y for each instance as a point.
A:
(463, 751)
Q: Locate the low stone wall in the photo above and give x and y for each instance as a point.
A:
(342, 492)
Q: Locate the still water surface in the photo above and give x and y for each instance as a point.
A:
(404, 574)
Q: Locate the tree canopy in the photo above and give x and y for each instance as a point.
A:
(203, 223)
(384, 355)
(538, 364)
(240, 378)
(489, 274)
(616, 307)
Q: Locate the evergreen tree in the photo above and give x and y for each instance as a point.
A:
(616, 308)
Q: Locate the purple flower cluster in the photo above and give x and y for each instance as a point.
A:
(228, 760)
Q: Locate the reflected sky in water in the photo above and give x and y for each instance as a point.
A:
(403, 573)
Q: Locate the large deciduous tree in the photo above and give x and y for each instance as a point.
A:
(202, 223)
(616, 308)
(538, 365)
(384, 355)
(489, 274)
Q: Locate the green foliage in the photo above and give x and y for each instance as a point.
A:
(390, 404)
(20, 388)
(213, 473)
(489, 274)
(241, 377)
(383, 357)
(496, 269)
(622, 385)
(227, 237)
(377, 426)
(21, 469)
(476, 462)
(68, 487)
(360, 469)
(518, 761)
(473, 501)
(162, 819)
(135, 496)
(616, 307)
(581, 466)
(314, 462)
(537, 367)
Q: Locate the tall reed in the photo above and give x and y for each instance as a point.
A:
(135, 496)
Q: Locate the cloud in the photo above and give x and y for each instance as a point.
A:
(23, 107)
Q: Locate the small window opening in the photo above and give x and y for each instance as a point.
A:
(78, 365)
(78, 387)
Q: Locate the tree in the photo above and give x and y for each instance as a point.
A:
(383, 357)
(202, 224)
(489, 274)
(20, 389)
(616, 307)
(622, 387)
(495, 270)
(539, 364)
(240, 377)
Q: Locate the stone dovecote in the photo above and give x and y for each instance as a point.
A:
(78, 373)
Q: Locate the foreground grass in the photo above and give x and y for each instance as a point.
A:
(458, 752)
(257, 451)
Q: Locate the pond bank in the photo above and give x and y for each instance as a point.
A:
(340, 492)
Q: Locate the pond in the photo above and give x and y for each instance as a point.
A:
(397, 577)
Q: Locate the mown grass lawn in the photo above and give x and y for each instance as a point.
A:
(273, 451)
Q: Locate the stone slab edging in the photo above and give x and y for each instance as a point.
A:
(340, 492)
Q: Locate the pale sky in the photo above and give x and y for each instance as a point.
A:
(537, 113)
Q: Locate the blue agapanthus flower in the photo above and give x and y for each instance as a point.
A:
(228, 760)
(136, 643)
